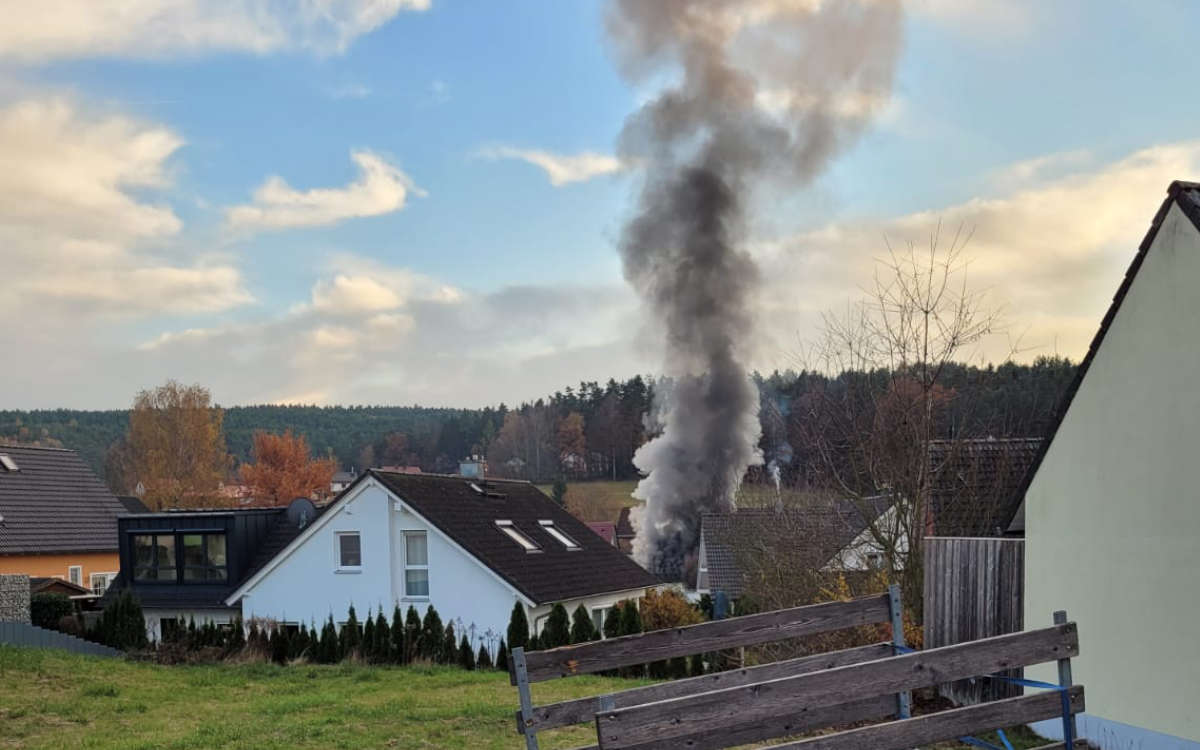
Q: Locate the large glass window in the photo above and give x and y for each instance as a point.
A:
(349, 550)
(154, 557)
(204, 557)
(416, 564)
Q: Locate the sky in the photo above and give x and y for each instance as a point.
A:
(419, 201)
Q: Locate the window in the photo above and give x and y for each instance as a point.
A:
(598, 616)
(558, 534)
(416, 565)
(204, 557)
(99, 582)
(528, 544)
(75, 574)
(154, 557)
(349, 550)
(8, 463)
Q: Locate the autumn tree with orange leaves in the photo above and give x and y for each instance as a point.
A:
(284, 470)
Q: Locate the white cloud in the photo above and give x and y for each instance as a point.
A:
(978, 18)
(561, 169)
(1051, 251)
(83, 223)
(381, 188)
(36, 32)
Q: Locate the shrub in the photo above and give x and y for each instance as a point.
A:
(557, 631)
(518, 627)
(46, 610)
(328, 649)
(613, 626)
(432, 633)
(697, 667)
(368, 639)
(398, 642)
(382, 647)
(448, 654)
(631, 624)
(351, 635)
(412, 634)
(122, 625)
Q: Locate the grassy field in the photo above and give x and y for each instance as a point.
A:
(51, 699)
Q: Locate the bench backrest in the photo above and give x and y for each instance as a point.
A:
(768, 627)
(850, 693)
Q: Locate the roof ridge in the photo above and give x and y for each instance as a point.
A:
(5, 446)
(438, 475)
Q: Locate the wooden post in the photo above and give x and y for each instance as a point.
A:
(522, 674)
(1070, 729)
(903, 700)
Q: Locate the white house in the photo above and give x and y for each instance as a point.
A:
(1111, 514)
(468, 546)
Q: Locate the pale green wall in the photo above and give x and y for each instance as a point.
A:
(1113, 514)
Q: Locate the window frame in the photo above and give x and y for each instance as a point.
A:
(416, 566)
(75, 574)
(339, 565)
(108, 579)
(566, 540)
(182, 566)
(176, 535)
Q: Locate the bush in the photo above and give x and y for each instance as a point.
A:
(448, 653)
(466, 656)
(398, 643)
(432, 632)
(502, 656)
(483, 660)
(412, 634)
(46, 610)
(518, 627)
(381, 650)
(582, 629)
(122, 625)
(350, 637)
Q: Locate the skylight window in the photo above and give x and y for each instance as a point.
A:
(526, 543)
(558, 534)
(9, 464)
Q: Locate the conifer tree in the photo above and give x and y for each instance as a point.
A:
(382, 647)
(582, 629)
(518, 627)
(396, 656)
(631, 624)
(613, 626)
(432, 633)
(237, 635)
(558, 630)
(279, 644)
(535, 643)
(449, 650)
(330, 648)
(368, 641)
(502, 656)
(412, 634)
(466, 655)
(483, 660)
(351, 635)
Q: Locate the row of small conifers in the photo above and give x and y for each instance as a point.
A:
(403, 638)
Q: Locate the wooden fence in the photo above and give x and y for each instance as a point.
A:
(974, 588)
(24, 634)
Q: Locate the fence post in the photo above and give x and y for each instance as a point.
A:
(522, 674)
(903, 700)
(1070, 729)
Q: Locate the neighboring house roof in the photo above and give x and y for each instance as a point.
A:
(820, 531)
(552, 574)
(974, 484)
(54, 503)
(56, 586)
(132, 504)
(1187, 196)
(343, 477)
(624, 526)
(606, 530)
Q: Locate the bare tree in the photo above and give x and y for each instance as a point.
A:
(869, 428)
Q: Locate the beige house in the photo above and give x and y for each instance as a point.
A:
(1112, 510)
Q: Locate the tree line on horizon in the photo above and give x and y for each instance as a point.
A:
(590, 431)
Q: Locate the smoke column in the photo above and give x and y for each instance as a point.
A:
(764, 93)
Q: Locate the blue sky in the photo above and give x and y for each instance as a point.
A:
(140, 240)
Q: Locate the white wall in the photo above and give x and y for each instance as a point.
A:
(306, 586)
(155, 615)
(1113, 514)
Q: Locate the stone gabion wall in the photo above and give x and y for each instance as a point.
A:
(14, 598)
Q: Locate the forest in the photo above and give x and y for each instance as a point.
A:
(588, 431)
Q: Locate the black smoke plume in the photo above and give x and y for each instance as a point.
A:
(765, 92)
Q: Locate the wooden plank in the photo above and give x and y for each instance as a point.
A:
(709, 712)
(584, 709)
(867, 709)
(946, 725)
(660, 645)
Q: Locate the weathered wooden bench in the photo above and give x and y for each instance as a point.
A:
(782, 699)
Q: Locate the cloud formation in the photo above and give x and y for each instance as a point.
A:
(38, 32)
(560, 169)
(82, 221)
(381, 188)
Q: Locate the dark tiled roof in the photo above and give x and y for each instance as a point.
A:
(54, 503)
(550, 575)
(825, 528)
(132, 504)
(606, 530)
(974, 483)
(1187, 196)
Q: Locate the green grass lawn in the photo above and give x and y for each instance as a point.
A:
(52, 699)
